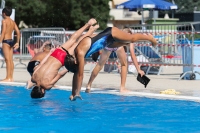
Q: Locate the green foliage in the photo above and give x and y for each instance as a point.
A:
(28, 11)
(70, 14)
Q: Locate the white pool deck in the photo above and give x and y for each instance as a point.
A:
(109, 83)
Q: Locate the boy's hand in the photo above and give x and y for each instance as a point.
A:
(94, 28)
(16, 46)
(45, 43)
(141, 72)
(52, 49)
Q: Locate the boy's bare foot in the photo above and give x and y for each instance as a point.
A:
(94, 28)
(124, 90)
(73, 98)
(88, 89)
(92, 21)
(154, 41)
(56, 86)
(29, 84)
(7, 80)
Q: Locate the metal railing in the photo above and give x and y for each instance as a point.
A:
(33, 38)
(178, 45)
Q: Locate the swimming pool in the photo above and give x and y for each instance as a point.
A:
(97, 113)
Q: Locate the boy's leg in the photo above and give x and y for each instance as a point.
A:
(91, 30)
(103, 58)
(9, 62)
(123, 61)
(77, 34)
(123, 36)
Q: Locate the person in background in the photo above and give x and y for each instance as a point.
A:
(35, 61)
(8, 44)
(123, 61)
(35, 48)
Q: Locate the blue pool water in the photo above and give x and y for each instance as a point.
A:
(97, 113)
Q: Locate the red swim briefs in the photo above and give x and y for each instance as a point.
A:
(60, 55)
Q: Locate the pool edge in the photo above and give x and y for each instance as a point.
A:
(116, 92)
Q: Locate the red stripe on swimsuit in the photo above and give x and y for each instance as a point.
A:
(60, 55)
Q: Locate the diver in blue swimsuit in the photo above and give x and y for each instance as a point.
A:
(90, 45)
(100, 41)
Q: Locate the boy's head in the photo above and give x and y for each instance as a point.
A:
(70, 63)
(128, 30)
(47, 47)
(37, 92)
(7, 11)
(39, 43)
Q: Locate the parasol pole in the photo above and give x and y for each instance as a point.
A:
(142, 16)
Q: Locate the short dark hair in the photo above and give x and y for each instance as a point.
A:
(37, 92)
(7, 11)
(128, 30)
(70, 63)
(48, 46)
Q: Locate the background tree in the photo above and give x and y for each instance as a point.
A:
(28, 11)
(70, 14)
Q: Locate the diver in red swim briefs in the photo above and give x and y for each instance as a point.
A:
(47, 73)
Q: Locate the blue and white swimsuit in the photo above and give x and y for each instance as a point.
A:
(100, 41)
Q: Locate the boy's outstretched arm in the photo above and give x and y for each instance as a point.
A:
(58, 76)
(90, 32)
(16, 46)
(44, 60)
(134, 59)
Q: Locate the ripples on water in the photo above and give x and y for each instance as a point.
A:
(96, 113)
